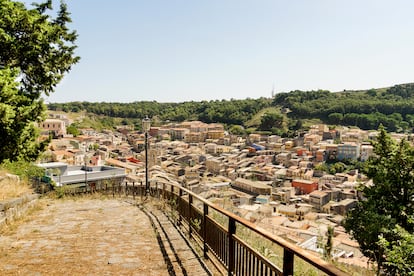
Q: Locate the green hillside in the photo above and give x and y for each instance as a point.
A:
(392, 107)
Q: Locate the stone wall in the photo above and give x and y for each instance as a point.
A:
(11, 209)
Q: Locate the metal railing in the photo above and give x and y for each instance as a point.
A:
(233, 241)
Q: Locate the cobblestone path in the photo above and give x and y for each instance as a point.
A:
(96, 237)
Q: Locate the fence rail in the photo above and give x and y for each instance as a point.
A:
(222, 233)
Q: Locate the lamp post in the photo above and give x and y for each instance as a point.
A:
(146, 125)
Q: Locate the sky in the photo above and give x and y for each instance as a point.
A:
(196, 50)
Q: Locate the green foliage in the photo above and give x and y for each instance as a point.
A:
(94, 146)
(60, 192)
(233, 112)
(36, 52)
(256, 118)
(322, 167)
(174, 214)
(237, 130)
(270, 121)
(387, 205)
(334, 166)
(17, 113)
(23, 169)
(72, 129)
(391, 107)
(399, 252)
(196, 223)
(40, 46)
(327, 250)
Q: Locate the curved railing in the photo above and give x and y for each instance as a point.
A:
(233, 241)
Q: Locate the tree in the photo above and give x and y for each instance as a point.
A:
(386, 205)
(271, 120)
(36, 52)
(72, 129)
(237, 130)
(335, 118)
(399, 252)
(327, 249)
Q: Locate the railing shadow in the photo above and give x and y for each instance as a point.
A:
(232, 241)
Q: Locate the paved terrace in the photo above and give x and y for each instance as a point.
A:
(96, 237)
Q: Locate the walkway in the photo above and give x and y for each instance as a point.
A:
(96, 237)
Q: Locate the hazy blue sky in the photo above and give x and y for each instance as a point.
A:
(184, 50)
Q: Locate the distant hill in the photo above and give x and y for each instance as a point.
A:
(393, 107)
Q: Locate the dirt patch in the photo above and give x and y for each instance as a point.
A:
(82, 237)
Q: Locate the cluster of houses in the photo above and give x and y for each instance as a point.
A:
(268, 179)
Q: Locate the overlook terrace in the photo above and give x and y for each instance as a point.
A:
(302, 201)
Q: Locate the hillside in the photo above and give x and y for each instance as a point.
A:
(393, 107)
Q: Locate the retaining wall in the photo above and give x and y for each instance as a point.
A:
(13, 208)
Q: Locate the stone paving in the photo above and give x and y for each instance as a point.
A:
(96, 237)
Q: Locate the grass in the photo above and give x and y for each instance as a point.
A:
(255, 121)
(310, 122)
(11, 227)
(9, 188)
(64, 193)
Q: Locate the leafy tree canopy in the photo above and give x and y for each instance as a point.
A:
(36, 52)
(384, 217)
(271, 120)
(232, 112)
(72, 129)
(391, 107)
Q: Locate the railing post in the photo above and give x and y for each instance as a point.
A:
(287, 262)
(232, 251)
(180, 197)
(140, 190)
(190, 202)
(163, 191)
(133, 190)
(163, 196)
(172, 198)
(205, 214)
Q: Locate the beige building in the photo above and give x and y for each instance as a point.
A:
(312, 139)
(179, 133)
(55, 126)
(366, 152)
(210, 148)
(194, 137)
(213, 165)
(215, 134)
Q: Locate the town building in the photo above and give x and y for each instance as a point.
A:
(303, 186)
(55, 127)
(95, 176)
(348, 151)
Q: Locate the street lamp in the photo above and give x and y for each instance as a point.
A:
(146, 125)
